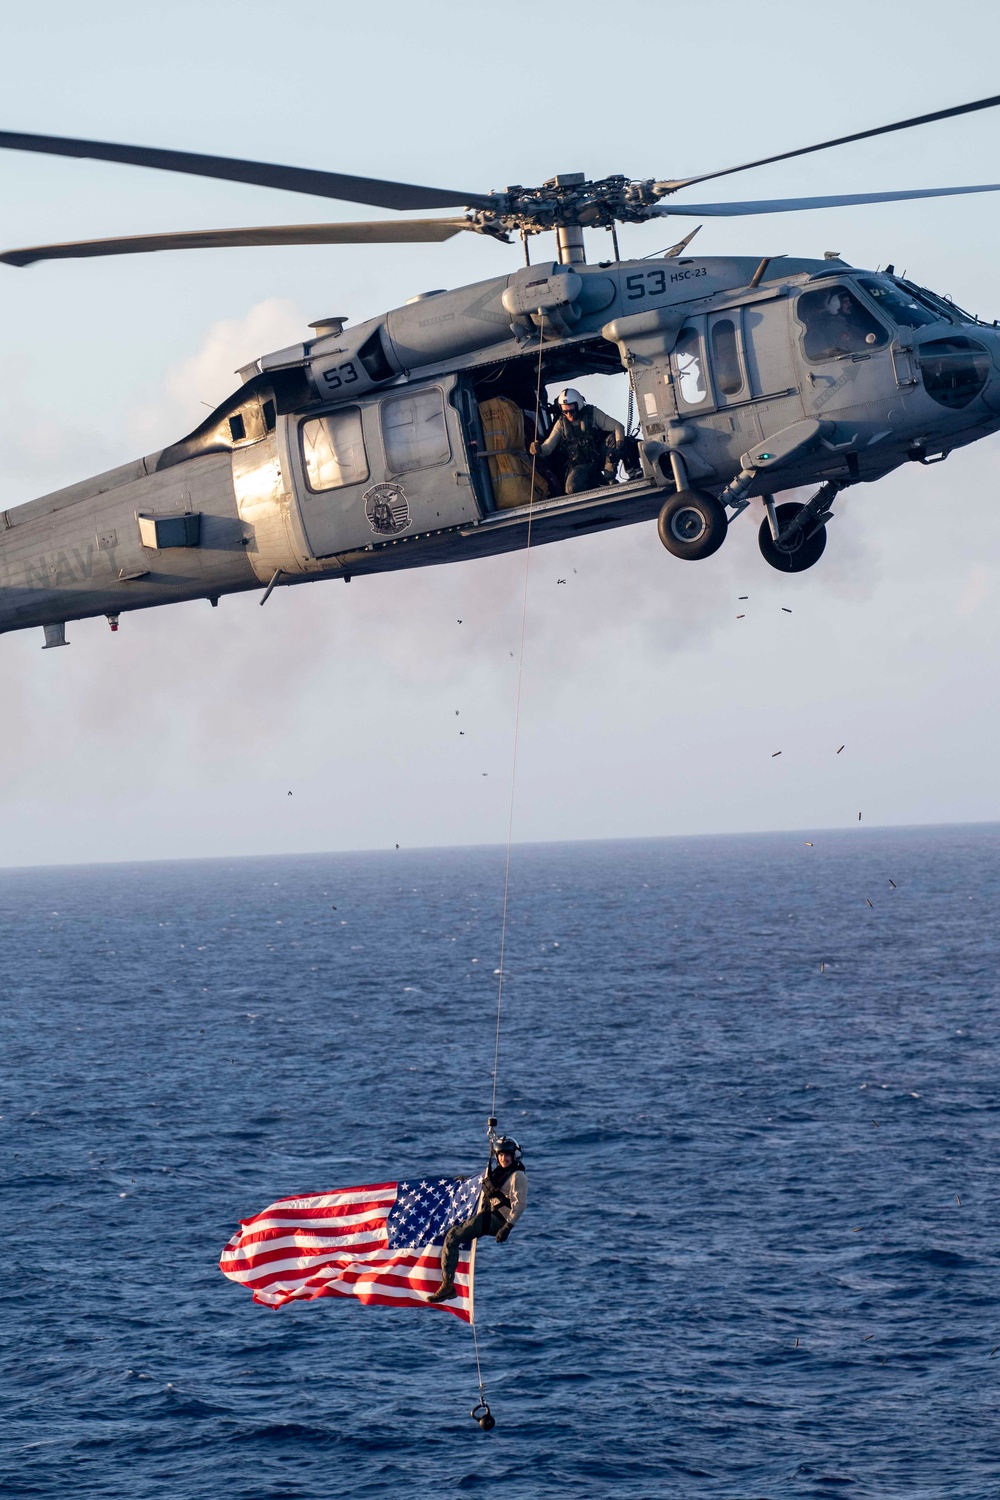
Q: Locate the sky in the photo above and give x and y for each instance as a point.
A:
(647, 707)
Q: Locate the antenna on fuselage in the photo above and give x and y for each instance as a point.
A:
(680, 246)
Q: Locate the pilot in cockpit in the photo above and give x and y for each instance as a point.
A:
(839, 325)
(841, 320)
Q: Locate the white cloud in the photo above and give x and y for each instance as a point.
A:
(196, 385)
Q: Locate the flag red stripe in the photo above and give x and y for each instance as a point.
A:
(369, 1224)
(278, 1215)
(296, 1276)
(378, 1191)
(375, 1300)
(289, 1249)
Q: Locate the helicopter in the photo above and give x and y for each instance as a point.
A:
(408, 439)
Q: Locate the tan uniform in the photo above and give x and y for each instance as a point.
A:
(516, 1191)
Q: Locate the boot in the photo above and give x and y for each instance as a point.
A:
(444, 1293)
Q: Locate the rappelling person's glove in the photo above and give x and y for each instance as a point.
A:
(503, 1233)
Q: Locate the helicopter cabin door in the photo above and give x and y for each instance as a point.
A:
(736, 422)
(713, 379)
(383, 469)
(771, 364)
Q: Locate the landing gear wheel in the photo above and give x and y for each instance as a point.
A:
(798, 555)
(692, 524)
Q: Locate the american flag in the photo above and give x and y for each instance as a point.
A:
(380, 1243)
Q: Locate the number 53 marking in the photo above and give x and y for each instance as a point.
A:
(342, 375)
(645, 284)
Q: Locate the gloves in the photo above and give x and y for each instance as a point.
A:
(503, 1233)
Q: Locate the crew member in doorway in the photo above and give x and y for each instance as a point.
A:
(501, 1204)
(580, 437)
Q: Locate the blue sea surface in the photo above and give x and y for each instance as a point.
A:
(760, 1120)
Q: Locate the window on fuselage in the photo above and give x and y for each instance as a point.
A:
(414, 431)
(726, 357)
(333, 450)
(836, 322)
(954, 370)
(898, 304)
(247, 424)
(689, 363)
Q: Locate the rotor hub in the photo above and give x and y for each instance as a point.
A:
(569, 200)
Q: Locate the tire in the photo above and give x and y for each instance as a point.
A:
(804, 551)
(692, 524)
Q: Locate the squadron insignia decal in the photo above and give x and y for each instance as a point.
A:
(387, 509)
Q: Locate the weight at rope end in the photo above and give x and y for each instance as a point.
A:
(483, 1416)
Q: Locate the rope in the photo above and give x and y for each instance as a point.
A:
(482, 1412)
(517, 725)
(479, 1368)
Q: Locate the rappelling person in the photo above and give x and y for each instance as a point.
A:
(580, 436)
(501, 1203)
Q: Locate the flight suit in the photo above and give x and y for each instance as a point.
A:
(582, 445)
(504, 1195)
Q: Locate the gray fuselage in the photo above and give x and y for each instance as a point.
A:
(363, 450)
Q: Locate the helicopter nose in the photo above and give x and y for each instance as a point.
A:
(991, 394)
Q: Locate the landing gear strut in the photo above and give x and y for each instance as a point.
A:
(793, 537)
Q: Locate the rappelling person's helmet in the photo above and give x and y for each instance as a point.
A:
(570, 397)
(508, 1145)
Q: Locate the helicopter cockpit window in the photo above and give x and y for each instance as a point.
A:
(954, 370)
(333, 450)
(940, 305)
(414, 431)
(726, 358)
(898, 304)
(836, 323)
(690, 366)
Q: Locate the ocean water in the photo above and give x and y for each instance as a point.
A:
(761, 1125)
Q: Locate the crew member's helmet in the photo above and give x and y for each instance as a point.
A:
(570, 397)
(506, 1143)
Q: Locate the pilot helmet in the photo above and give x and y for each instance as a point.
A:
(508, 1144)
(570, 397)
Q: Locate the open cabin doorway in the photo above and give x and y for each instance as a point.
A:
(512, 413)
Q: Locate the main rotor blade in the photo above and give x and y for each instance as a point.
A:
(374, 232)
(792, 205)
(373, 190)
(841, 140)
